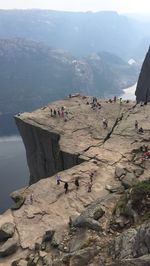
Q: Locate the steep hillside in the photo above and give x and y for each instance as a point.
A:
(32, 74)
(79, 33)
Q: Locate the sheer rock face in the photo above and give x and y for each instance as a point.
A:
(143, 87)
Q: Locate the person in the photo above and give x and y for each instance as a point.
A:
(77, 183)
(91, 177)
(66, 187)
(58, 112)
(120, 101)
(146, 155)
(31, 198)
(51, 111)
(141, 130)
(136, 124)
(55, 112)
(90, 186)
(58, 179)
(105, 123)
(115, 98)
(62, 113)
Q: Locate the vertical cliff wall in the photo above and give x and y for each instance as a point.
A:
(143, 86)
(44, 156)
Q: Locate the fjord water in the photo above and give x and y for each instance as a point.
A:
(14, 173)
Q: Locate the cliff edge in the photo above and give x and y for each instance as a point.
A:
(105, 226)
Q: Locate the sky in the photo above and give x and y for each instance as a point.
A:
(121, 6)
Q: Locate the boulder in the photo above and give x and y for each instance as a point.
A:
(9, 247)
(19, 263)
(6, 231)
(129, 180)
(18, 198)
(99, 212)
(119, 171)
(81, 257)
(138, 172)
(47, 260)
(134, 242)
(56, 240)
(48, 236)
(84, 222)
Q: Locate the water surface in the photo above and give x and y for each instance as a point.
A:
(14, 173)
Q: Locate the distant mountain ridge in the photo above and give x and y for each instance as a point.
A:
(78, 33)
(33, 73)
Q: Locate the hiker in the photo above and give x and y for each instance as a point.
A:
(54, 112)
(58, 112)
(146, 155)
(91, 176)
(136, 124)
(141, 130)
(120, 101)
(105, 123)
(62, 113)
(76, 182)
(90, 184)
(115, 98)
(144, 148)
(66, 187)
(58, 179)
(51, 111)
(31, 199)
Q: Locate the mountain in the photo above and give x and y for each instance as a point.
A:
(32, 73)
(78, 33)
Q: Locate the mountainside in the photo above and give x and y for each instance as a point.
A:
(103, 221)
(78, 33)
(32, 74)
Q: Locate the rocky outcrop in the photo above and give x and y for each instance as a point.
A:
(112, 159)
(143, 86)
(6, 231)
(134, 243)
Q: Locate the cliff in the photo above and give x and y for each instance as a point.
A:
(143, 86)
(107, 226)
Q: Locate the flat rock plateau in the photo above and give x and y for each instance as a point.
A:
(81, 227)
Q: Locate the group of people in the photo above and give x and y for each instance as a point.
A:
(60, 112)
(76, 182)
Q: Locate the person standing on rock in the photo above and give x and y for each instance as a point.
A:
(136, 124)
(90, 184)
(31, 198)
(58, 179)
(105, 123)
(66, 187)
(77, 183)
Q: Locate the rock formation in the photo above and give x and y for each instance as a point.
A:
(143, 86)
(49, 227)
